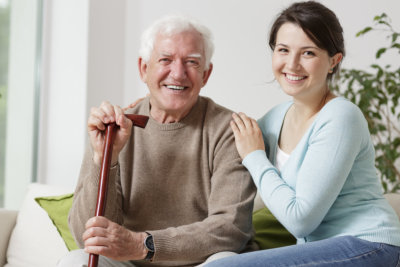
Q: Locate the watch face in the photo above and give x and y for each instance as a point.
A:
(149, 243)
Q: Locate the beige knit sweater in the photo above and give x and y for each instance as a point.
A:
(182, 182)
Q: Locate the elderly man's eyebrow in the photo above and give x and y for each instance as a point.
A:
(196, 55)
(165, 54)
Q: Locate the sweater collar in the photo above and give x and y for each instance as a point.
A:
(191, 117)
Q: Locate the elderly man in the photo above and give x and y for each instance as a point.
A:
(177, 191)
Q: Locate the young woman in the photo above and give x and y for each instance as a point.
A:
(316, 171)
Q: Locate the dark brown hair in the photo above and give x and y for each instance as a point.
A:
(318, 22)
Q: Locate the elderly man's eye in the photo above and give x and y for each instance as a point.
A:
(192, 62)
(165, 60)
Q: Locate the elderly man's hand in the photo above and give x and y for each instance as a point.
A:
(106, 238)
(97, 121)
(248, 136)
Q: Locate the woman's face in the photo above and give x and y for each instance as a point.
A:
(299, 65)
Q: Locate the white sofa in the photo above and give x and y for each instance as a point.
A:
(29, 238)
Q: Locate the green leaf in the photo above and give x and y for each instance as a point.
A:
(380, 52)
(394, 36)
(396, 45)
(364, 31)
(384, 22)
(383, 15)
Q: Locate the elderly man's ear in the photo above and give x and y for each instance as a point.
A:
(142, 69)
(207, 74)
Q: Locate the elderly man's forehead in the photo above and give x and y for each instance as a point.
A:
(164, 51)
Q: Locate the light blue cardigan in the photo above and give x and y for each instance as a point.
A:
(329, 186)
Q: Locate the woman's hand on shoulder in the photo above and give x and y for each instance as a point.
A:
(134, 104)
(248, 136)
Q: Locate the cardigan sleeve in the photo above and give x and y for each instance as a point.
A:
(324, 158)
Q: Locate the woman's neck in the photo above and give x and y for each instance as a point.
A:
(305, 109)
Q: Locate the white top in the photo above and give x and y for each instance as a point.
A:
(281, 158)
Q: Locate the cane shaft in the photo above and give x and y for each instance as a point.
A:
(137, 120)
(103, 180)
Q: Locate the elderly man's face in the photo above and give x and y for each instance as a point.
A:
(175, 72)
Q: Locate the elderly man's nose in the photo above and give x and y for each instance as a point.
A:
(178, 70)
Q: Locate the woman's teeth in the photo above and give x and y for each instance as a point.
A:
(175, 87)
(294, 78)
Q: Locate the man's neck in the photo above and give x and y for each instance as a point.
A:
(163, 116)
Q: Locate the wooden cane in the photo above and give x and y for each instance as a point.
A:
(137, 120)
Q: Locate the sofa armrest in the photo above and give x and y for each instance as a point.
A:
(7, 222)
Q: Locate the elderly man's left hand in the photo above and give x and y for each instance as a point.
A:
(106, 238)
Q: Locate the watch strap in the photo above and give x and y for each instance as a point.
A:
(149, 245)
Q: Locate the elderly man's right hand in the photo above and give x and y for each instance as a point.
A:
(98, 119)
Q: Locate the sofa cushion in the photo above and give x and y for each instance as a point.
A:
(57, 207)
(269, 232)
(35, 241)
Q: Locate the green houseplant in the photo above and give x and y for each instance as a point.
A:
(377, 92)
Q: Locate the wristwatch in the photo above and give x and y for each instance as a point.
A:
(149, 245)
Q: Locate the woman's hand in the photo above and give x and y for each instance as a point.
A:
(248, 136)
(133, 104)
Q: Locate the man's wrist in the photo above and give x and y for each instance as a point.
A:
(148, 244)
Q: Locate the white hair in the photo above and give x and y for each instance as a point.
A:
(173, 24)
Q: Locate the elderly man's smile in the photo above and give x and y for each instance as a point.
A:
(176, 87)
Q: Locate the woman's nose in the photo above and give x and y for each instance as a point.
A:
(293, 61)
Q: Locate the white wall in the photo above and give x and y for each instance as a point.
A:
(92, 45)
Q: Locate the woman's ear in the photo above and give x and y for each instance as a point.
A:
(336, 59)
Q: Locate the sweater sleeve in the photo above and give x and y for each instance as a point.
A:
(85, 197)
(324, 160)
(228, 226)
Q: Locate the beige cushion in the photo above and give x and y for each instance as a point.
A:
(394, 201)
(7, 223)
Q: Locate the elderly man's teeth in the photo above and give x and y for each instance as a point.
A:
(175, 87)
(294, 78)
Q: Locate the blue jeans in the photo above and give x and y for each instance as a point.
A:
(339, 251)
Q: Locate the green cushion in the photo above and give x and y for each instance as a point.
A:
(269, 233)
(57, 207)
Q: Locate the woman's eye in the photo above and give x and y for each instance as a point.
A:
(309, 53)
(283, 50)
